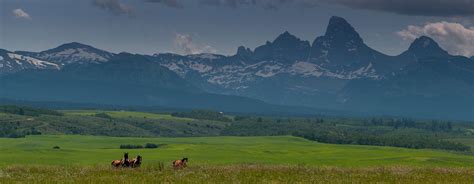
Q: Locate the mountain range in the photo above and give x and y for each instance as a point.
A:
(336, 72)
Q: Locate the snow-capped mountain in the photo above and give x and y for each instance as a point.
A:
(288, 69)
(73, 53)
(64, 55)
(340, 54)
(11, 63)
(337, 71)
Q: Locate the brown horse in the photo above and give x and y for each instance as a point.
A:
(124, 162)
(136, 162)
(179, 164)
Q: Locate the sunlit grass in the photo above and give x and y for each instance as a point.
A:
(97, 150)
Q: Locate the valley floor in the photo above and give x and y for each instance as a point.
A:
(279, 159)
(76, 150)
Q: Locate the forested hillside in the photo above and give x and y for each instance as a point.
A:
(381, 131)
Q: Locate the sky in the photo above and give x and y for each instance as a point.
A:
(220, 26)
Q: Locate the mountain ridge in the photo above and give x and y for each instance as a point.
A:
(338, 71)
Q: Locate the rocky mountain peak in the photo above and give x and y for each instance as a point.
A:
(341, 31)
(286, 47)
(426, 47)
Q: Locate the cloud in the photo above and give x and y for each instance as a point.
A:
(169, 3)
(454, 37)
(443, 8)
(113, 6)
(266, 4)
(185, 44)
(20, 14)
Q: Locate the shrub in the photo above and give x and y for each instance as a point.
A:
(131, 146)
(151, 145)
(56, 147)
(137, 146)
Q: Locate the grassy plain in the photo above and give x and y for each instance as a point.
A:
(212, 159)
(76, 150)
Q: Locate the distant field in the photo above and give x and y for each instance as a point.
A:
(286, 150)
(125, 114)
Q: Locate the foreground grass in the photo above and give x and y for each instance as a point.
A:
(234, 174)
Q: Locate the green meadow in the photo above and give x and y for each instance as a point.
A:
(217, 155)
(279, 159)
(76, 150)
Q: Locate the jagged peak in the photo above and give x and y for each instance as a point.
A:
(339, 25)
(424, 42)
(426, 46)
(287, 37)
(339, 34)
(243, 51)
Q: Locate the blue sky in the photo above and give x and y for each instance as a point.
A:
(156, 26)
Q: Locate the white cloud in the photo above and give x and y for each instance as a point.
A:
(454, 37)
(20, 14)
(185, 44)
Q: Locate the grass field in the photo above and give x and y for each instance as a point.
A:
(234, 174)
(282, 159)
(212, 159)
(91, 150)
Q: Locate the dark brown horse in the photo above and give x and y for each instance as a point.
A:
(179, 164)
(136, 162)
(124, 162)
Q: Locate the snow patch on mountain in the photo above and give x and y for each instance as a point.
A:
(269, 70)
(199, 67)
(175, 68)
(20, 59)
(207, 56)
(306, 69)
(68, 56)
